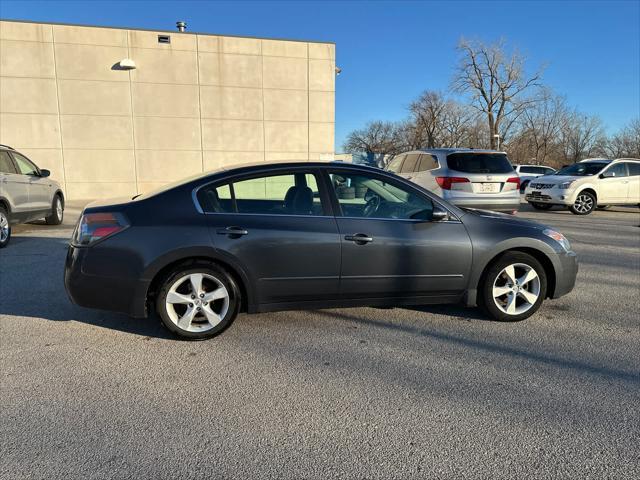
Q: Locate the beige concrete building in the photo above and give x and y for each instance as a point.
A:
(192, 103)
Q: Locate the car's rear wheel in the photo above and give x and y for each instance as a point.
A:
(57, 212)
(5, 228)
(585, 204)
(198, 301)
(513, 287)
(540, 206)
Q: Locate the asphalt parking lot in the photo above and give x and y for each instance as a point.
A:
(352, 393)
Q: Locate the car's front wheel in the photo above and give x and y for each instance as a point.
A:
(5, 228)
(198, 301)
(585, 204)
(57, 212)
(513, 287)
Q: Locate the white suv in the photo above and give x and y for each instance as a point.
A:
(587, 185)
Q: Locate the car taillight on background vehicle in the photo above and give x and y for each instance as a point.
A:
(446, 182)
(515, 180)
(93, 227)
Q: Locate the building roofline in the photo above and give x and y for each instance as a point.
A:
(166, 31)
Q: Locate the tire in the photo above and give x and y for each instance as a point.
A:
(498, 306)
(57, 211)
(523, 187)
(5, 228)
(173, 302)
(585, 204)
(604, 207)
(541, 206)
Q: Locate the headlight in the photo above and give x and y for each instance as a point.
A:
(566, 185)
(558, 237)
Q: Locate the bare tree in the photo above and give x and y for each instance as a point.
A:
(379, 138)
(497, 83)
(457, 124)
(580, 136)
(541, 125)
(427, 114)
(625, 143)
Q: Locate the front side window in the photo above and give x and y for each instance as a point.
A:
(6, 165)
(373, 197)
(25, 167)
(291, 194)
(617, 170)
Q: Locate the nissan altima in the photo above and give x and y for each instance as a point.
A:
(307, 235)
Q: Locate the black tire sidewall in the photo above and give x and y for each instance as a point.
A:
(486, 287)
(595, 204)
(53, 218)
(6, 215)
(199, 267)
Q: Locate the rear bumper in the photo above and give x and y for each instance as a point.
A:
(117, 294)
(503, 202)
(566, 268)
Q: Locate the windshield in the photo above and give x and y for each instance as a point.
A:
(479, 162)
(582, 169)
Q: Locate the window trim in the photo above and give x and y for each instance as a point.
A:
(231, 179)
(12, 163)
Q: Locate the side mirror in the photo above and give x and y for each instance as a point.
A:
(439, 215)
(608, 174)
(44, 172)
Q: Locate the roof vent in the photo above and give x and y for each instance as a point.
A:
(182, 26)
(164, 39)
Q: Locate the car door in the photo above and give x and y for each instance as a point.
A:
(390, 245)
(280, 228)
(13, 186)
(613, 184)
(40, 197)
(633, 193)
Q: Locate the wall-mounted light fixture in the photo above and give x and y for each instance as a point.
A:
(127, 64)
(338, 70)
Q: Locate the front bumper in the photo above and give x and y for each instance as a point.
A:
(566, 267)
(552, 196)
(125, 294)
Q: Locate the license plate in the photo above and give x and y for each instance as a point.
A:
(489, 187)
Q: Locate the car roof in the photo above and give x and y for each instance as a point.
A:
(448, 150)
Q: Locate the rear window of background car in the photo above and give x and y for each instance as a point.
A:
(427, 162)
(409, 165)
(479, 162)
(634, 168)
(396, 164)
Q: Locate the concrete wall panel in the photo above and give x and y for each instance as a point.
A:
(49, 158)
(90, 62)
(165, 100)
(215, 159)
(164, 66)
(207, 43)
(244, 46)
(281, 48)
(22, 130)
(164, 133)
(285, 73)
(26, 59)
(99, 190)
(321, 106)
(322, 51)
(321, 137)
(231, 103)
(28, 95)
(30, 32)
(96, 132)
(90, 97)
(167, 165)
(90, 35)
(286, 136)
(232, 135)
(286, 105)
(84, 166)
(322, 75)
(143, 39)
(240, 70)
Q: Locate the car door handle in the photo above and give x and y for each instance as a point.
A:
(233, 232)
(359, 238)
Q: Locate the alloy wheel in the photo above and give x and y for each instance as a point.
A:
(58, 208)
(584, 203)
(516, 289)
(197, 302)
(4, 227)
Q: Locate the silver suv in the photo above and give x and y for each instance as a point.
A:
(587, 185)
(483, 179)
(26, 193)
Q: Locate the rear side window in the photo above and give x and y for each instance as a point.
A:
(293, 194)
(427, 162)
(410, 163)
(470, 162)
(533, 170)
(6, 165)
(634, 168)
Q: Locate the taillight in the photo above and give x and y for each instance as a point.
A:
(98, 226)
(515, 180)
(446, 182)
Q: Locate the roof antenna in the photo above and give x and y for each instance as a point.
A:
(182, 26)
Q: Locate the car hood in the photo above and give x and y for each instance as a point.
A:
(505, 218)
(557, 179)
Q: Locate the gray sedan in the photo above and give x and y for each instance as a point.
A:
(302, 236)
